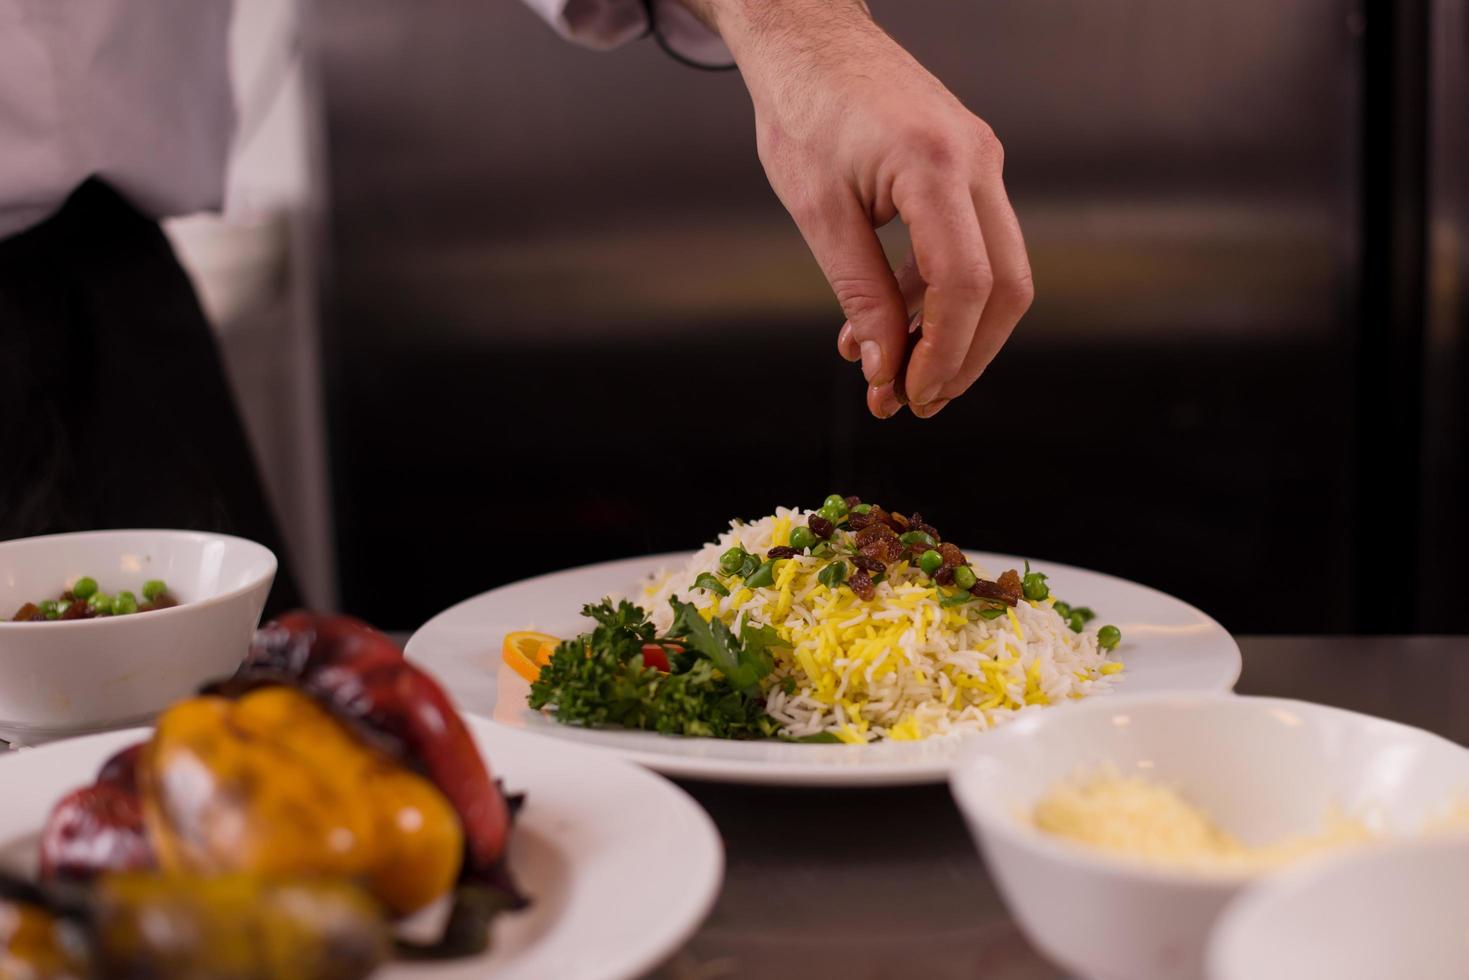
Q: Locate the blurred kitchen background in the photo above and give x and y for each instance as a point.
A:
(495, 305)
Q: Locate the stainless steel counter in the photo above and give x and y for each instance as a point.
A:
(878, 884)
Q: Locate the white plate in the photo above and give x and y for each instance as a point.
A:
(1167, 645)
(621, 866)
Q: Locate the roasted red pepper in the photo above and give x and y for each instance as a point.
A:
(99, 827)
(361, 675)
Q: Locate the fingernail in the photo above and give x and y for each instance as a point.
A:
(886, 401)
(928, 410)
(925, 394)
(871, 359)
(844, 341)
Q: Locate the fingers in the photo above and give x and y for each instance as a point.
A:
(841, 237)
(910, 285)
(1012, 293)
(969, 274)
(882, 401)
(951, 259)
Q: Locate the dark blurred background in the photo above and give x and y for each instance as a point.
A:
(566, 320)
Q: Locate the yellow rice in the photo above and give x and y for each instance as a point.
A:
(899, 666)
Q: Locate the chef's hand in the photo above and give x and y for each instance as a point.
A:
(852, 132)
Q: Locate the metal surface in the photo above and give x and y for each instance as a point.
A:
(886, 884)
(1445, 478)
(554, 271)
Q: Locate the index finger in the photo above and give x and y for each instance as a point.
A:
(842, 239)
(950, 251)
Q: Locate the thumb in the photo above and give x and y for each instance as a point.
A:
(846, 247)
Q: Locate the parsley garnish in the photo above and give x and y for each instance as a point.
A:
(599, 678)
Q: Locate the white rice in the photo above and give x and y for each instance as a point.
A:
(899, 666)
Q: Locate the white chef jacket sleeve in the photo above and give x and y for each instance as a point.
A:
(606, 24)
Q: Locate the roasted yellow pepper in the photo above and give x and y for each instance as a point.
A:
(34, 945)
(236, 927)
(273, 784)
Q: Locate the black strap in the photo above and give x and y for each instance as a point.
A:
(657, 34)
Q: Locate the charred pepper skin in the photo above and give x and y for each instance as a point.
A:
(98, 828)
(361, 675)
(272, 784)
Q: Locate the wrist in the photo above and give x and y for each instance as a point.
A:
(755, 30)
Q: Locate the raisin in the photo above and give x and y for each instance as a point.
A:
(875, 532)
(28, 613)
(944, 576)
(852, 501)
(781, 551)
(985, 589)
(884, 549)
(861, 583)
(1010, 583)
(869, 563)
(951, 555)
(821, 527)
(928, 529)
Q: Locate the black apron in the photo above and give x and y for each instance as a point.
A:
(115, 411)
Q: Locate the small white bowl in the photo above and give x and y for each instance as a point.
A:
(1392, 911)
(1263, 769)
(68, 677)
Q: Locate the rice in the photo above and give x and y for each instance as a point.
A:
(899, 666)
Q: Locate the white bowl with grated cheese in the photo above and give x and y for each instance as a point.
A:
(1138, 901)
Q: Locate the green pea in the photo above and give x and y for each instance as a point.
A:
(833, 575)
(1108, 637)
(837, 503)
(862, 509)
(153, 588)
(709, 583)
(1034, 587)
(964, 577)
(1062, 609)
(101, 603)
(1086, 614)
(802, 538)
(49, 608)
(930, 561)
(729, 562)
(763, 576)
(84, 587)
(831, 514)
(917, 537)
(124, 603)
(1076, 623)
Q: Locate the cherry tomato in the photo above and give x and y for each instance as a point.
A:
(656, 657)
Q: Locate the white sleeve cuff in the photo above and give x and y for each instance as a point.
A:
(606, 24)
